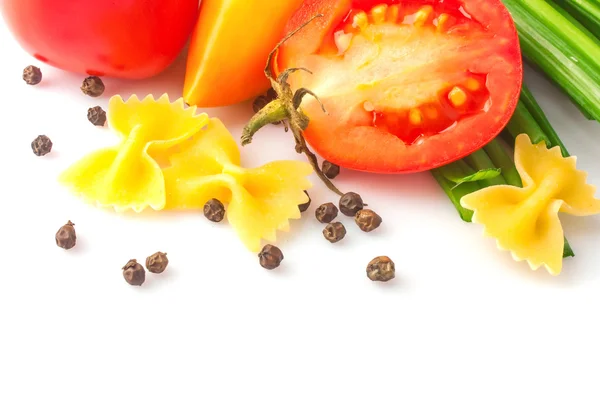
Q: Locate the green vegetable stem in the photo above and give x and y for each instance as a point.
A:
(561, 47)
(587, 12)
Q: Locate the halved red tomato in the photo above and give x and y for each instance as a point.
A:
(409, 85)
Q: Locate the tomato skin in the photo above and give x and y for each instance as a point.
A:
(131, 39)
(345, 137)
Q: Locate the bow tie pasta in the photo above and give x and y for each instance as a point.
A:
(261, 200)
(129, 175)
(171, 158)
(525, 220)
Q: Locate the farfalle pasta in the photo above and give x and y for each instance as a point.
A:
(525, 220)
(260, 200)
(170, 158)
(129, 175)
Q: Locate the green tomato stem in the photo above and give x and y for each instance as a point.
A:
(275, 111)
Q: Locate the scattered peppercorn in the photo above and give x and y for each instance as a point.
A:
(381, 269)
(134, 273)
(259, 103)
(304, 206)
(270, 257)
(157, 262)
(214, 210)
(271, 94)
(351, 203)
(97, 116)
(66, 237)
(326, 213)
(330, 169)
(367, 220)
(92, 86)
(41, 145)
(32, 75)
(334, 232)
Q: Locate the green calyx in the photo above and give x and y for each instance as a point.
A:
(286, 108)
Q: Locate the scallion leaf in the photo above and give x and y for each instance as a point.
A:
(561, 49)
(587, 12)
(480, 175)
(457, 193)
(538, 115)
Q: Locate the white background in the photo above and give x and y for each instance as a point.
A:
(460, 319)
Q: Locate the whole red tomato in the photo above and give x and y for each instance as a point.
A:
(126, 38)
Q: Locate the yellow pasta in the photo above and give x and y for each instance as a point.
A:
(260, 200)
(171, 158)
(129, 175)
(525, 220)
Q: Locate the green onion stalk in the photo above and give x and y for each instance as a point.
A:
(563, 43)
(586, 12)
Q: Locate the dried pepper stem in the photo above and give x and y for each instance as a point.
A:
(286, 108)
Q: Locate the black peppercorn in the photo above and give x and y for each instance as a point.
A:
(157, 262)
(32, 75)
(330, 169)
(66, 237)
(270, 257)
(334, 232)
(326, 213)
(41, 145)
(350, 204)
(381, 269)
(92, 86)
(97, 116)
(259, 103)
(304, 206)
(367, 220)
(271, 94)
(134, 273)
(214, 210)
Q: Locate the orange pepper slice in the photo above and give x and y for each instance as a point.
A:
(229, 49)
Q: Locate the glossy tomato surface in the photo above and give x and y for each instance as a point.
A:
(126, 38)
(409, 85)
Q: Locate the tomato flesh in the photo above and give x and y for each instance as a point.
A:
(408, 85)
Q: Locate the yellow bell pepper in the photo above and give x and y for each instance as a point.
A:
(229, 48)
